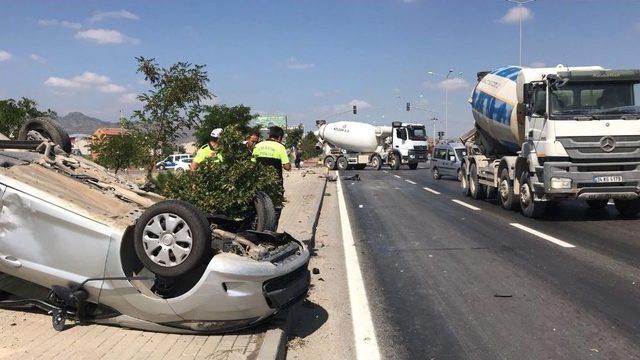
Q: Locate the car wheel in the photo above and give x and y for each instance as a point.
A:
(597, 204)
(529, 206)
(172, 237)
(477, 190)
(330, 162)
(435, 173)
(343, 163)
(394, 161)
(45, 128)
(376, 162)
(180, 170)
(506, 195)
(413, 166)
(266, 219)
(628, 208)
(459, 174)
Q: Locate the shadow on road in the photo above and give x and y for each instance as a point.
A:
(308, 317)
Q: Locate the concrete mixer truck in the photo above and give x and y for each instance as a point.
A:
(548, 134)
(354, 145)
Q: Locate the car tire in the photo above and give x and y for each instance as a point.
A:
(266, 219)
(413, 166)
(529, 206)
(172, 250)
(376, 162)
(394, 161)
(598, 204)
(342, 163)
(435, 173)
(508, 200)
(47, 128)
(477, 190)
(330, 162)
(628, 208)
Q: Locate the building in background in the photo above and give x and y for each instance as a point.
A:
(80, 144)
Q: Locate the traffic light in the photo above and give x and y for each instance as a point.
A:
(408, 106)
(355, 110)
(440, 134)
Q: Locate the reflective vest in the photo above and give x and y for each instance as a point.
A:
(206, 151)
(271, 152)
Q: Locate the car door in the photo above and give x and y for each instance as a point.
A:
(48, 244)
(443, 162)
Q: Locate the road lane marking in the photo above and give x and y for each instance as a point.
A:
(465, 204)
(385, 171)
(363, 330)
(542, 235)
(399, 177)
(431, 190)
(409, 181)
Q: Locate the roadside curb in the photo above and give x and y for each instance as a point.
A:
(274, 344)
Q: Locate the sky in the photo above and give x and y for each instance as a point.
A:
(307, 59)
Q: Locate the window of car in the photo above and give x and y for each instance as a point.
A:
(440, 154)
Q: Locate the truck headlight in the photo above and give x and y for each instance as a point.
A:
(560, 183)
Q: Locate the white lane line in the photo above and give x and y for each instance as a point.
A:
(465, 204)
(542, 235)
(363, 330)
(431, 190)
(385, 171)
(409, 181)
(399, 177)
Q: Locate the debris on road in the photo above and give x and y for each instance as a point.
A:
(355, 177)
(315, 271)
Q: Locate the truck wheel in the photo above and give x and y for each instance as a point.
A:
(172, 237)
(330, 162)
(435, 173)
(507, 198)
(529, 206)
(477, 190)
(47, 128)
(342, 163)
(464, 182)
(376, 162)
(413, 166)
(628, 208)
(394, 161)
(597, 204)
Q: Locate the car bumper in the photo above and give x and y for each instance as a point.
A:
(583, 184)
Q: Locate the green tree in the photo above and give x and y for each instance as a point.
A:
(119, 152)
(227, 187)
(221, 116)
(308, 146)
(293, 137)
(13, 114)
(173, 105)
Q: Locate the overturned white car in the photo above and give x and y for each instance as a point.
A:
(85, 244)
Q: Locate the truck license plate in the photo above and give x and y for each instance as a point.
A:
(607, 179)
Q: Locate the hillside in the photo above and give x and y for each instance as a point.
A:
(79, 123)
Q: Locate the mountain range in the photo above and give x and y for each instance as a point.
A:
(79, 123)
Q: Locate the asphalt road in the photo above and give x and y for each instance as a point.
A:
(446, 281)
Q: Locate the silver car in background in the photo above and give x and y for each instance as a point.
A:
(446, 160)
(87, 245)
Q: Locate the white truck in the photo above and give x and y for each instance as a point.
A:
(547, 134)
(350, 144)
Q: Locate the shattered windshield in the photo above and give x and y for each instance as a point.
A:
(595, 100)
(417, 133)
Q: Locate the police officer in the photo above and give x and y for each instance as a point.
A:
(208, 150)
(271, 151)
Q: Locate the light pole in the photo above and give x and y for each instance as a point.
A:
(446, 97)
(520, 3)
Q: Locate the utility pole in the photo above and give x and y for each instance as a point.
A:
(520, 7)
(446, 96)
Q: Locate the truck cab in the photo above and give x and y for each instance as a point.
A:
(408, 145)
(584, 135)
